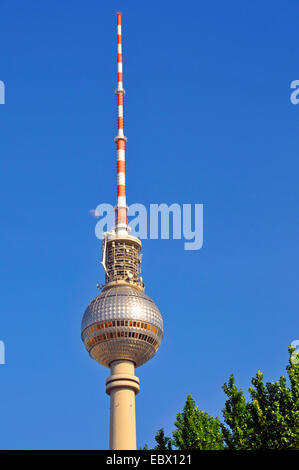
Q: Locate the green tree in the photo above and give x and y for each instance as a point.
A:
(163, 442)
(271, 419)
(196, 429)
(268, 421)
(236, 415)
(144, 447)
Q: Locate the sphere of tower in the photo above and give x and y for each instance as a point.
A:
(122, 322)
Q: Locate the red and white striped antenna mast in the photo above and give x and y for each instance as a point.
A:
(121, 225)
(120, 250)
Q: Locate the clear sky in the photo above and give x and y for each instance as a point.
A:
(209, 120)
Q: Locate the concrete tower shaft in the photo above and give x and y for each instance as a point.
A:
(122, 386)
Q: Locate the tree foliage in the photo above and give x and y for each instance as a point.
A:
(271, 419)
(196, 429)
(163, 442)
(268, 421)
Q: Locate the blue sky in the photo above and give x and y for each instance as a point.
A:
(209, 120)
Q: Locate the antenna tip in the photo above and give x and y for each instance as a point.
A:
(118, 15)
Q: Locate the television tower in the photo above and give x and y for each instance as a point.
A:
(122, 327)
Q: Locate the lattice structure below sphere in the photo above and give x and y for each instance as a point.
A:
(122, 322)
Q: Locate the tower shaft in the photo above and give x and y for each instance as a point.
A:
(122, 386)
